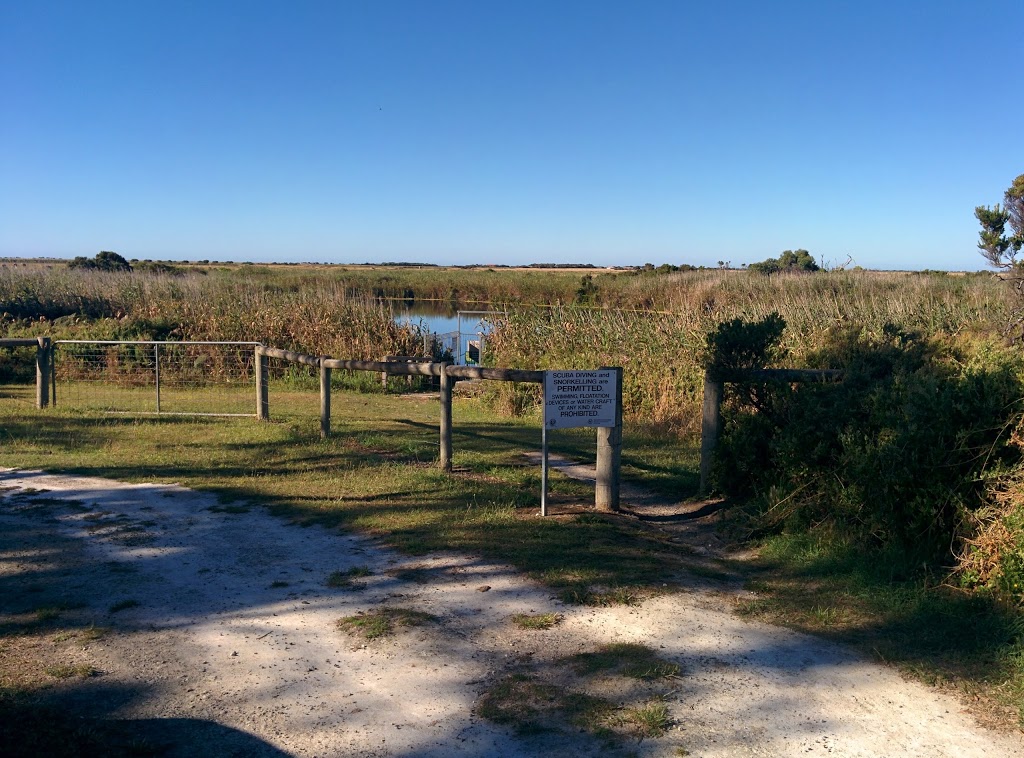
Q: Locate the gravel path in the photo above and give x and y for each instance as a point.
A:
(228, 644)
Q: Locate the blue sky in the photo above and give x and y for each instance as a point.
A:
(597, 132)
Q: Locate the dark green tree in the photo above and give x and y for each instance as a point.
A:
(789, 261)
(998, 247)
(105, 260)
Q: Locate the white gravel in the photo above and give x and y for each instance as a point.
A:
(213, 641)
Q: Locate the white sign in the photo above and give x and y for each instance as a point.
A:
(579, 398)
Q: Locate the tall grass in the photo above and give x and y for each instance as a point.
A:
(654, 325)
(662, 350)
(318, 318)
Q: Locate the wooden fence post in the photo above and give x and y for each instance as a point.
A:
(445, 458)
(262, 385)
(609, 454)
(43, 358)
(325, 399)
(711, 424)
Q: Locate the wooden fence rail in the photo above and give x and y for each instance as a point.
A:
(714, 387)
(609, 439)
(400, 359)
(394, 367)
(495, 374)
(609, 442)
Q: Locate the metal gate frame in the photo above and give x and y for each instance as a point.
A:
(156, 373)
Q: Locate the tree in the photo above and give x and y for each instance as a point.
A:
(789, 261)
(105, 260)
(999, 248)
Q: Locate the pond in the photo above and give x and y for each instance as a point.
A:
(461, 331)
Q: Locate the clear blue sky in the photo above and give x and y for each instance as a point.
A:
(508, 132)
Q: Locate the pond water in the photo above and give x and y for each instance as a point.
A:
(456, 329)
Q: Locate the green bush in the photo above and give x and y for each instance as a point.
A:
(894, 454)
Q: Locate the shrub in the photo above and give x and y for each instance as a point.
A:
(105, 260)
(894, 454)
(790, 260)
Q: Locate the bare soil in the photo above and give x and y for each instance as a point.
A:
(205, 629)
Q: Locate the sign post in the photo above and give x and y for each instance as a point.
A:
(578, 399)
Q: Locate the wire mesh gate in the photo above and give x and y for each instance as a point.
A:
(156, 377)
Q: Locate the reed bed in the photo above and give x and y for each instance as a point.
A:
(652, 324)
(662, 350)
(318, 318)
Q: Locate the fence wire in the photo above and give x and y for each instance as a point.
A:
(185, 378)
(18, 374)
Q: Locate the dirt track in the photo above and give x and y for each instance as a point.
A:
(233, 646)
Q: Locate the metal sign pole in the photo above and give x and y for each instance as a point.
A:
(544, 453)
(544, 471)
(156, 366)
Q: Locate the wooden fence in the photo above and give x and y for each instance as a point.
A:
(609, 439)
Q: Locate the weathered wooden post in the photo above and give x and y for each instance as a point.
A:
(262, 385)
(609, 454)
(445, 458)
(43, 357)
(325, 398)
(710, 425)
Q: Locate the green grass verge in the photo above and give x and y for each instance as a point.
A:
(895, 609)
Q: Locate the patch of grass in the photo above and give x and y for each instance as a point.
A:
(48, 613)
(626, 659)
(530, 705)
(344, 579)
(587, 712)
(647, 721)
(532, 701)
(123, 605)
(93, 633)
(68, 671)
(383, 622)
(524, 703)
(603, 598)
(537, 620)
